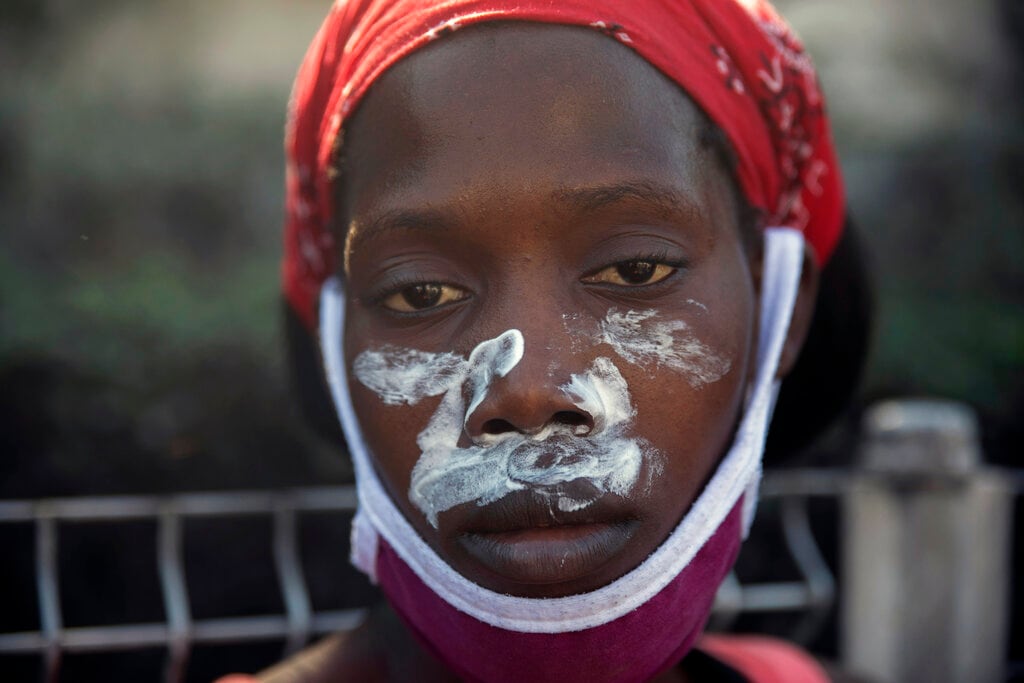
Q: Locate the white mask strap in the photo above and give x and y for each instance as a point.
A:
(739, 473)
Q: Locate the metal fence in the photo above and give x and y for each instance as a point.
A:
(179, 633)
(812, 593)
(942, 501)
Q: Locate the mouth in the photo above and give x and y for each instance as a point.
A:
(526, 539)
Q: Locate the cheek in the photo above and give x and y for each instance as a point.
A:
(692, 424)
(727, 322)
(390, 433)
(649, 339)
(692, 428)
(389, 427)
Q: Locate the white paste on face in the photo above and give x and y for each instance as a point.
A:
(694, 302)
(406, 375)
(603, 460)
(572, 323)
(493, 358)
(641, 339)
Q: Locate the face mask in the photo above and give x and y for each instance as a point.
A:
(629, 630)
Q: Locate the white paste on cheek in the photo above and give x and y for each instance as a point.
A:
(694, 302)
(603, 461)
(572, 323)
(406, 375)
(640, 339)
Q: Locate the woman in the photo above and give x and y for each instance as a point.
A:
(557, 257)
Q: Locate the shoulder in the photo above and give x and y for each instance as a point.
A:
(761, 659)
(379, 650)
(337, 654)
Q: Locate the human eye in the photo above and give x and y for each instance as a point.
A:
(636, 272)
(421, 296)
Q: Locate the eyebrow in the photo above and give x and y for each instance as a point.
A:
(665, 200)
(397, 220)
(669, 203)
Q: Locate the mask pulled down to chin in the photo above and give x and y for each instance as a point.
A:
(629, 630)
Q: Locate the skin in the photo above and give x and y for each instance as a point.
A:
(510, 175)
(521, 199)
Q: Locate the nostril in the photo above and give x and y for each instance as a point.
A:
(580, 423)
(497, 426)
(568, 417)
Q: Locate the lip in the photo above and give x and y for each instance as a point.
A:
(524, 538)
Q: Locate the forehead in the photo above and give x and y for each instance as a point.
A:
(517, 104)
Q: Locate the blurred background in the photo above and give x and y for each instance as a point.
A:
(141, 184)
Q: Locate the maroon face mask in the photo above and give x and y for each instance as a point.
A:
(634, 647)
(630, 629)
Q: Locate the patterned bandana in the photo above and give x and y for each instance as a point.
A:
(741, 64)
(736, 59)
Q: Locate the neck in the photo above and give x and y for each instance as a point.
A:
(400, 653)
(405, 658)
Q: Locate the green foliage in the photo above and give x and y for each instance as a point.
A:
(960, 346)
(159, 305)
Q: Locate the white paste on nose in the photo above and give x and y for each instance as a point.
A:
(495, 358)
(446, 475)
(641, 339)
(602, 393)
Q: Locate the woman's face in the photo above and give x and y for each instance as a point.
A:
(550, 306)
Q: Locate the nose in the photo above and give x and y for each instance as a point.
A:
(527, 400)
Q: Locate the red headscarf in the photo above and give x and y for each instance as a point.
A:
(737, 59)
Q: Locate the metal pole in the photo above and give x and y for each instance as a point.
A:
(48, 585)
(926, 564)
(175, 592)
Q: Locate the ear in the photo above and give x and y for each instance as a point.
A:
(803, 313)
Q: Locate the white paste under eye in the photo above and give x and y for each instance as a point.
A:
(598, 461)
(405, 375)
(694, 302)
(641, 339)
(572, 322)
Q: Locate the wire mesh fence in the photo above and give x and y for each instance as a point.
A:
(810, 592)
